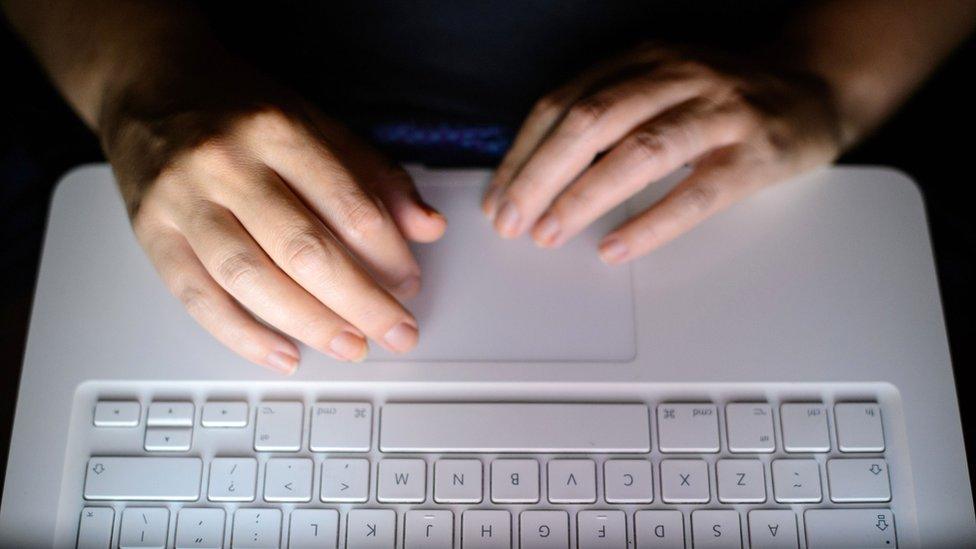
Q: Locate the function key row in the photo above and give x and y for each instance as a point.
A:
(510, 480)
(514, 427)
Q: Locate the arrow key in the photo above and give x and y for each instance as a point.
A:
(168, 439)
(288, 479)
(772, 529)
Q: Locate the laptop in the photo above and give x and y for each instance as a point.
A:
(779, 377)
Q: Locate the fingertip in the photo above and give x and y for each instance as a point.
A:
(283, 362)
(613, 250)
(425, 226)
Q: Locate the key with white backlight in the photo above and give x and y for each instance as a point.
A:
(278, 427)
(850, 528)
(341, 427)
(805, 427)
(750, 427)
(859, 427)
(688, 428)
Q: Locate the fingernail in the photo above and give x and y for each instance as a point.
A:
(348, 346)
(489, 205)
(613, 250)
(508, 219)
(401, 337)
(282, 362)
(547, 231)
(408, 288)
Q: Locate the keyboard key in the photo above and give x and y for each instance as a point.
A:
(796, 481)
(805, 427)
(571, 481)
(256, 529)
(371, 529)
(716, 530)
(515, 427)
(95, 528)
(168, 439)
(117, 413)
(687, 428)
(428, 530)
(544, 530)
(486, 530)
(345, 480)
(278, 427)
(457, 481)
(659, 529)
(200, 528)
(170, 414)
(515, 481)
(601, 530)
(143, 478)
(859, 427)
(850, 528)
(773, 530)
(628, 481)
(144, 527)
(232, 479)
(341, 426)
(222, 414)
(288, 480)
(741, 481)
(750, 427)
(684, 481)
(401, 481)
(858, 480)
(314, 529)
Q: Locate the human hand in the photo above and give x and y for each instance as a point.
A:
(250, 204)
(593, 143)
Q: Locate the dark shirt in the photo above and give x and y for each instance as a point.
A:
(393, 69)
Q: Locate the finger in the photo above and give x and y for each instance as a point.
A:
(591, 126)
(213, 308)
(298, 242)
(324, 182)
(242, 268)
(417, 220)
(719, 180)
(546, 113)
(647, 154)
(391, 184)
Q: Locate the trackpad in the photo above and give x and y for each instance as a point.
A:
(489, 299)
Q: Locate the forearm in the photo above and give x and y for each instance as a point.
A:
(874, 53)
(94, 49)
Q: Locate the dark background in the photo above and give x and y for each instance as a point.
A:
(931, 139)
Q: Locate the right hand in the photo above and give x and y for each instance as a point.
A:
(250, 202)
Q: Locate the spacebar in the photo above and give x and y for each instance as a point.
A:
(143, 478)
(514, 427)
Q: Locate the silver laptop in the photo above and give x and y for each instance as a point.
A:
(778, 378)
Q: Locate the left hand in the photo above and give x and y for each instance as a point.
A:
(593, 143)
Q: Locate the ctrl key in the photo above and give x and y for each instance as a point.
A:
(850, 528)
(95, 528)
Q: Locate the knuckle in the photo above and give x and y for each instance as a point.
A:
(648, 143)
(699, 198)
(548, 106)
(217, 154)
(237, 269)
(306, 252)
(194, 299)
(586, 113)
(361, 219)
(267, 118)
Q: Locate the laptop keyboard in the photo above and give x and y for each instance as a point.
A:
(208, 471)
